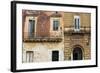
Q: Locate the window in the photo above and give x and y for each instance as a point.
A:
(31, 28)
(29, 56)
(55, 55)
(77, 23)
(56, 24)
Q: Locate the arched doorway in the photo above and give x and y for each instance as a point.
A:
(77, 53)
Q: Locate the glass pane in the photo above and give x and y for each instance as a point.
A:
(75, 24)
(78, 23)
(31, 57)
(27, 57)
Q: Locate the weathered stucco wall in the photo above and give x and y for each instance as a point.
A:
(43, 51)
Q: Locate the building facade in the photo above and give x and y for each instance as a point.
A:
(55, 36)
(77, 33)
(42, 36)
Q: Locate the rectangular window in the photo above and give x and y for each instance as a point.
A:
(56, 24)
(77, 23)
(55, 55)
(29, 56)
(31, 28)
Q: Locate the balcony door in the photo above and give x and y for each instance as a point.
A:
(77, 54)
(77, 23)
(31, 28)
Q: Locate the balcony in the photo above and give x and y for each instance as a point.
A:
(50, 37)
(82, 30)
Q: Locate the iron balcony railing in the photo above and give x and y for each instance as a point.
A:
(81, 30)
(45, 36)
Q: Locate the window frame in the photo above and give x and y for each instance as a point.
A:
(77, 23)
(35, 19)
(30, 27)
(52, 23)
(56, 25)
(57, 51)
(30, 55)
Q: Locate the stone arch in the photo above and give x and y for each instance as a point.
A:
(79, 49)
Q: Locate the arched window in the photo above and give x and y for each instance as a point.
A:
(77, 54)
